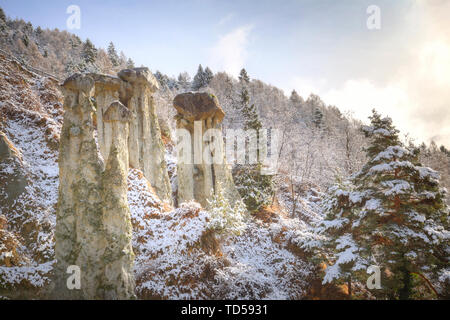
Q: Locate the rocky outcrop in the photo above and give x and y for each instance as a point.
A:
(107, 90)
(93, 227)
(13, 180)
(134, 88)
(118, 256)
(79, 230)
(145, 144)
(200, 115)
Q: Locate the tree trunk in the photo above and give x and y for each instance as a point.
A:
(349, 285)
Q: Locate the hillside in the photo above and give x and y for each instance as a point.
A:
(309, 221)
(169, 244)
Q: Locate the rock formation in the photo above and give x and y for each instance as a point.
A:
(118, 257)
(79, 233)
(145, 143)
(13, 182)
(134, 89)
(207, 171)
(107, 90)
(93, 227)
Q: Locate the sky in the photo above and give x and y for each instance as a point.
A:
(324, 47)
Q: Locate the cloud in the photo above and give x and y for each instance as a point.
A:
(225, 19)
(230, 51)
(413, 88)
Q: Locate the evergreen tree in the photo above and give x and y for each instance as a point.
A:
(392, 214)
(251, 118)
(89, 52)
(3, 26)
(130, 63)
(403, 208)
(340, 249)
(162, 79)
(2, 16)
(112, 54)
(208, 76)
(295, 99)
(318, 118)
(199, 79)
(184, 81)
(255, 188)
(244, 79)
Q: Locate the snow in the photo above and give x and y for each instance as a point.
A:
(396, 187)
(36, 275)
(426, 172)
(372, 205)
(385, 167)
(390, 153)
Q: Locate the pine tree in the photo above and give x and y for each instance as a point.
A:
(2, 16)
(251, 118)
(208, 76)
(255, 188)
(243, 77)
(295, 99)
(130, 63)
(341, 250)
(226, 218)
(89, 52)
(3, 26)
(112, 54)
(199, 79)
(402, 212)
(318, 118)
(184, 81)
(391, 214)
(162, 79)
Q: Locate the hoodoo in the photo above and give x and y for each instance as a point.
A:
(204, 170)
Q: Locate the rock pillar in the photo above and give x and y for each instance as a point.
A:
(79, 232)
(107, 90)
(145, 143)
(118, 257)
(200, 115)
(93, 226)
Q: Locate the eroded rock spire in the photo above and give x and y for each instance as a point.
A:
(199, 120)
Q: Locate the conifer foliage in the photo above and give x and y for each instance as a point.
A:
(254, 187)
(394, 217)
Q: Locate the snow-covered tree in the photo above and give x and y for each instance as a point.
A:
(226, 218)
(341, 250)
(130, 63)
(184, 81)
(199, 79)
(208, 76)
(391, 214)
(255, 188)
(89, 53)
(2, 15)
(401, 211)
(112, 54)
